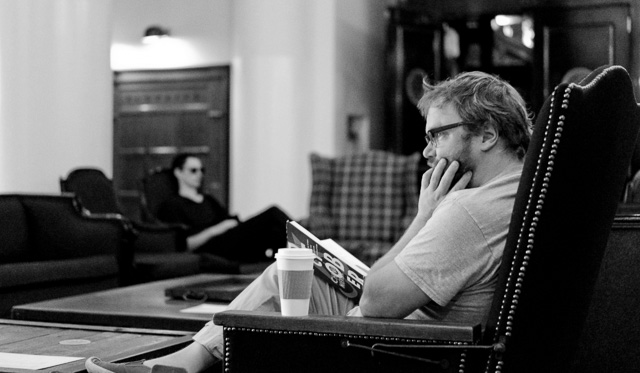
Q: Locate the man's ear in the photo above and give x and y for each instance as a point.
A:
(490, 137)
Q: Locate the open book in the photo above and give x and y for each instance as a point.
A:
(333, 263)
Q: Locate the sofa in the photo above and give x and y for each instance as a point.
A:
(50, 248)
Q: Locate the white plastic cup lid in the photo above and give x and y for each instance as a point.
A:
(295, 253)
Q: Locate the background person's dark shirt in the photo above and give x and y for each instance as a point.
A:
(249, 241)
(196, 216)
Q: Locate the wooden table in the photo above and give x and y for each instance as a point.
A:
(139, 306)
(108, 343)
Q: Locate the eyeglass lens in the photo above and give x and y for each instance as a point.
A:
(432, 135)
(428, 139)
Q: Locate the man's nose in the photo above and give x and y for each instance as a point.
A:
(429, 154)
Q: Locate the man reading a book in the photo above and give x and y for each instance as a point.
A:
(445, 265)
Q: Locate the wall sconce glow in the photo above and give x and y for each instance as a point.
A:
(153, 34)
(167, 54)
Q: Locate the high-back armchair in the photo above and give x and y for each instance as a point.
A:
(157, 186)
(93, 190)
(158, 248)
(363, 201)
(572, 180)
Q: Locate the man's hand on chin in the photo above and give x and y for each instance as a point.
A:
(437, 183)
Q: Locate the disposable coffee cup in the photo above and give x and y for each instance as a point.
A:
(295, 275)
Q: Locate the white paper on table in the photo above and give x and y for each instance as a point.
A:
(208, 308)
(33, 362)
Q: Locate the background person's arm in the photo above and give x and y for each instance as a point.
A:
(200, 238)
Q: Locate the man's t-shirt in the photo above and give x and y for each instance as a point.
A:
(454, 259)
(197, 216)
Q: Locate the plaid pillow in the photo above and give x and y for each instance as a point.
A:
(369, 197)
(321, 222)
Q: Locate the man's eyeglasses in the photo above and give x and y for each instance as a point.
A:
(195, 170)
(433, 135)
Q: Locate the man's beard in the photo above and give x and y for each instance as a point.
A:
(464, 162)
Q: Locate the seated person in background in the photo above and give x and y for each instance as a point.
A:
(445, 266)
(210, 228)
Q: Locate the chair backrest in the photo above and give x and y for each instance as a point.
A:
(368, 196)
(93, 189)
(572, 180)
(157, 186)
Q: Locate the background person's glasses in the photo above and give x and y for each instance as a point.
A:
(195, 170)
(433, 135)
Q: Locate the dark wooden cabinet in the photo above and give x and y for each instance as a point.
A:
(413, 51)
(570, 37)
(159, 113)
(564, 34)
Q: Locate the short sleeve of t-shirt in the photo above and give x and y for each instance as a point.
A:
(445, 263)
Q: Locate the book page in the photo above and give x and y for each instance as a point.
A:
(33, 362)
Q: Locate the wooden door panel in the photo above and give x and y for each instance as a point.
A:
(136, 164)
(161, 113)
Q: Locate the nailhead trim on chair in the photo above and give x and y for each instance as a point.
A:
(228, 353)
(463, 360)
(509, 301)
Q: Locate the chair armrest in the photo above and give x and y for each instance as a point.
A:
(160, 227)
(269, 342)
(160, 237)
(148, 237)
(348, 325)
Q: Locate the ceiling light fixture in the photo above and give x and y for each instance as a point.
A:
(154, 33)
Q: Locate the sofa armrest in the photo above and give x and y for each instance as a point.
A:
(59, 230)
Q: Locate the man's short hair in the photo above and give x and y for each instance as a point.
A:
(180, 159)
(483, 99)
